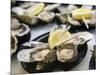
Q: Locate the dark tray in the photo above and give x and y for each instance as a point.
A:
(56, 66)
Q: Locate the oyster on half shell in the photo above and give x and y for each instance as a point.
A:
(67, 52)
(21, 31)
(42, 55)
(33, 54)
(46, 16)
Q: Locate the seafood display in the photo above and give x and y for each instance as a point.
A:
(49, 37)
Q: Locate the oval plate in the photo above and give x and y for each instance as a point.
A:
(82, 50)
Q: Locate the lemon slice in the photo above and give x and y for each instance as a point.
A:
(81, 12)
(36, 10)
(57, 36)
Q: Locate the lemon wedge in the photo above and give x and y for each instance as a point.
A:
(81, 12)
(57, 36)
(36, 10)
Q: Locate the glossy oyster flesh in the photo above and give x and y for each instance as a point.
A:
(41, 55)
(67, 49)
(67, 52)
(47, 16)
(33, 54)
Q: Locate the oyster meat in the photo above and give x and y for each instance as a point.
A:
(67, 52)
(33, 54)
(47, 16)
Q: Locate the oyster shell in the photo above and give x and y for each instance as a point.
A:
(17, 11)
(46, 16)
(14, 42)
(42, 55)
(22, 33)
(67, 50)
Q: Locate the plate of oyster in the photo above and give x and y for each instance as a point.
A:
(39, 47)
(51, 52)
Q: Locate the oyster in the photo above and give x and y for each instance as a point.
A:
(21, 31)
(67, 52)
(42, 55)
(33, 54)
(30, 15)
(14, 42)
(46, 16)
(17, 11)
(67, 9)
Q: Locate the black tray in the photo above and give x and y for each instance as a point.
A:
(82, 50)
